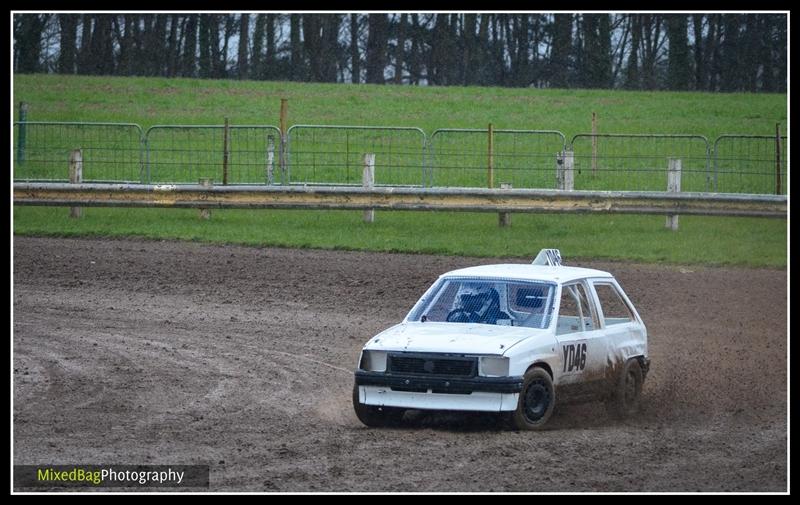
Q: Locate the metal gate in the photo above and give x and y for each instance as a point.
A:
(334, 154)
(628, 162)
(523, 158)
(240, 154)
(750, 164)
(111, 151)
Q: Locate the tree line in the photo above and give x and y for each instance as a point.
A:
(707, 52)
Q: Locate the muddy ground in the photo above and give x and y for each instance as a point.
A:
(145, 352)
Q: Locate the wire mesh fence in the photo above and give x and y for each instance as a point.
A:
(750, 164)
(639, 162)
(111, 151)
(335, 154)
(240, 154)
(404, 156)
(523, 158)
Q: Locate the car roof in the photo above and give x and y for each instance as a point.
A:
(557, 274)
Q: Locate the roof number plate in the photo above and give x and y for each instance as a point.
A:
(551, 257)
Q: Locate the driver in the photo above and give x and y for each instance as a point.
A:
(478, 303)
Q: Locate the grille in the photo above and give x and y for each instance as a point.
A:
(462, 367)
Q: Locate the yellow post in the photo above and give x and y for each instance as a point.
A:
(777, 158)
(491, 157)
(225, 136)
(284, 109)
(594, 144)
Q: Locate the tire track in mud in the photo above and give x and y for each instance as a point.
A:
(241, 358)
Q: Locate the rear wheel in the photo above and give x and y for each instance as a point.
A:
(374, 416)
(536, 401)
(625, 398)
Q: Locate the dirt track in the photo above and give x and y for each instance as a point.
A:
(134, 352)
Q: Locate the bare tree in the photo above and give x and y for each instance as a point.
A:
(296, 61)
(28, 32)
(699, 60)
(731, 65)
(189, 55)
(377, 39)
(678, 71)
(728, 52)
(400, 49)
(632, 75)
(618, 53)
(257, 56)
(244, 32)
(101, 48)
(653, 38)
(67, 50)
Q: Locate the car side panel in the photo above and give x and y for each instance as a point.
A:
(541, 349)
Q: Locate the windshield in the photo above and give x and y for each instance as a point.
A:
(487, 301)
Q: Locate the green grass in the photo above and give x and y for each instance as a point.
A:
(714, 241)
(150, 101)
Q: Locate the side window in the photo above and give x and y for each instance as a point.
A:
(529, 304)
(575, 311)
(615, 311)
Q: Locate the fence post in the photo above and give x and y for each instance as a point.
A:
(594, 144)
(504, 218)
(560, 170)
(673, 186)
(225, 134)
(270, 170)
(75, 177)
(204, 212)
(565, 174)
(282, 151)
(490, 173)
(777, 158)
(368, 182)
(23, 117)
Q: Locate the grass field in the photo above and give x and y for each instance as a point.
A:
(716, 241)
(151, 101)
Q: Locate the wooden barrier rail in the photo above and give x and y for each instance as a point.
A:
(399, 198)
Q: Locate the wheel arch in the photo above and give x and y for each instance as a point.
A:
(544, 365)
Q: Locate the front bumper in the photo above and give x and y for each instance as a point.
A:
(442, 385)
(480, 394)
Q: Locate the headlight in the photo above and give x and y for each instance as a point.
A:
(373, 361)
(491, 366)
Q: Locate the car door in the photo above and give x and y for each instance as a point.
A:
(621, 326)
(582, 346)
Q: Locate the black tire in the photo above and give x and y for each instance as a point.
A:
(376, 417)
(536, 401)
(625, 398)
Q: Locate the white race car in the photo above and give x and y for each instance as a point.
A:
(511, 338)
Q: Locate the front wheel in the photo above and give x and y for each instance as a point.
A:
(536, 401)
(625, 398)
(374, 416)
